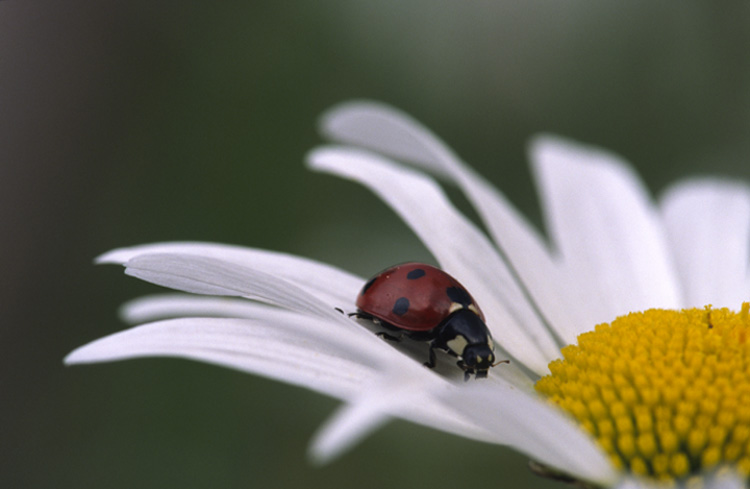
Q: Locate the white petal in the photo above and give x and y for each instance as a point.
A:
(214, 276)
(630, 483)
(277, 350)
(392, 132)
(533, 427)
(349, 425)
(281, 346)
(326, 282)
(163, 306)
(409, 397)
(726, 478)
(606, 230)
(386, 130)
(359, 418)
(722, 478)
(457, 244)
(526, 252)
(708, 224)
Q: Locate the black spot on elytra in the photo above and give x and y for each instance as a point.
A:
(458, 294)
(368, 284)
(415, 274)
(401, 306)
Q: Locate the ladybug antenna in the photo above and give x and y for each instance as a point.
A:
(499, 362)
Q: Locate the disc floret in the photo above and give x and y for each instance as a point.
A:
(666, 393)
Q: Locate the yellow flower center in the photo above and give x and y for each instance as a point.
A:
(665, 393)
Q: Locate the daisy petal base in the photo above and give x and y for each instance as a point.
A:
(666, 393)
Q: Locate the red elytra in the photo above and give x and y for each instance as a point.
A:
(414, 296)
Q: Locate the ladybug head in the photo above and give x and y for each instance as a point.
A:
(467, 337)
(478, 358)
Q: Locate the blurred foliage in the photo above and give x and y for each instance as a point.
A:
(130, 122)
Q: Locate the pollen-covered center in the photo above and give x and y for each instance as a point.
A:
(666, 393)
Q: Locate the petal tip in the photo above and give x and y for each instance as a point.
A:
(545, 145)
(549, 152)
(75, 357)
(338, 116)
(315, 157)
(319, 457)
(118, 256)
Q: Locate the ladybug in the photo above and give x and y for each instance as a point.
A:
(426, 304)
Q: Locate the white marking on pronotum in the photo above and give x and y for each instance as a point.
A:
(455, 306)
(458, 344)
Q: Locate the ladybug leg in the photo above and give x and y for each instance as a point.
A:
(431, 362)
(467, 371)
(378, 322)
(363, 315)
(386, 336)
(355, 315)
(367, 317)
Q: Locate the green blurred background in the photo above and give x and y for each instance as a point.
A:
(131, 122)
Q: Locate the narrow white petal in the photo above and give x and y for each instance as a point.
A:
(456, 243)
(526, 252)
(213, 276)
(392, 132)
(387, 130)
(163, 306)
(708, 224)
(326, 282)
(606, 229)
(349, 424)
(533, 427)
(277, 350)
(410, 397)
(282, 347)
(432, 412)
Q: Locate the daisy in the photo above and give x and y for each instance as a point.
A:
(627, 360)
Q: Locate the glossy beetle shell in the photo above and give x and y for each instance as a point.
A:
(414, 297)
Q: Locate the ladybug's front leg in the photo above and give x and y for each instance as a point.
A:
(467, 371)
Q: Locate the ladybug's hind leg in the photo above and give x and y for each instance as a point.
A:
(386, 336)
(381, 334)
(397, 335)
